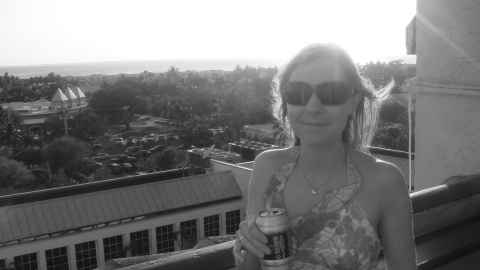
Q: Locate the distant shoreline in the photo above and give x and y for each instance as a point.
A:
(129, 67)
(155, 66)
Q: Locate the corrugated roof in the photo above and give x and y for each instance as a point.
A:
(31, 219)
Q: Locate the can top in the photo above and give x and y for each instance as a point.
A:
(272, 212)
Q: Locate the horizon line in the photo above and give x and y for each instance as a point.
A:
(277, 61)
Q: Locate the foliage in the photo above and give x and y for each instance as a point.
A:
(34, 88)
(54, 127)
(380, 73)
(392, 129)
(64, 152)
(87, 124)
(118, 102)
(164, 160)
(10, 129)
(14, 173)
(32, 155)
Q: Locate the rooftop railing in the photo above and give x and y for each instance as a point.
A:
(446, 221)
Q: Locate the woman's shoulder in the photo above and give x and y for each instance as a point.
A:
(267, 163)
(274, 158)
(379, 175)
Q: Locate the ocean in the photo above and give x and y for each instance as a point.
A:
(130, 67)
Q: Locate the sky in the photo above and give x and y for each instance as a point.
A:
(34, 32)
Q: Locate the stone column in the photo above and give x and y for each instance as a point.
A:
(72, 258)
(152, 234)
(41, 260)
(127, 243)
(100, 254)
(447, 90)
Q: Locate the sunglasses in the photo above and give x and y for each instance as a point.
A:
(329, 93)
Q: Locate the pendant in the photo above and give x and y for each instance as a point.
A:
(314, 192)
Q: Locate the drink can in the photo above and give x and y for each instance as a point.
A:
(274, 224)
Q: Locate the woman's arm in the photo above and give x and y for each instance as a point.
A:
(396, 223)
(261, 174)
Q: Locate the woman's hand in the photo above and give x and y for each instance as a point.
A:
(249, 239)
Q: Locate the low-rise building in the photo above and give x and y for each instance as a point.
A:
(83, 226)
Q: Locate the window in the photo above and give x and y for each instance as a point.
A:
(188, 232)
(165, 238)
(86, 254)
(140, 243)
(232, 220)
(57, 258)
(113, 247)
(211, 225)
(26, 262)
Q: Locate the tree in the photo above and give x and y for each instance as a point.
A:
(30, 156)
(14, 173)
(54, 127)
(117, 103)
(87, 124)
(10, 128)
(380, 73)
(165, 160)
(64, 153)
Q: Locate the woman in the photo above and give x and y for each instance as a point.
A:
(346, 209)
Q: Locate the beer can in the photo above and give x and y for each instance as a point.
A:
(274, 224)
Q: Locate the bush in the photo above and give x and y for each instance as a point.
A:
(14, 173)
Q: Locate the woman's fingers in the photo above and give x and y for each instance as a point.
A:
(253, 240)
(256, 233)
(238, 252)
(251, 247)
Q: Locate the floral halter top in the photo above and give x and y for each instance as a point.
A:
(335, 233)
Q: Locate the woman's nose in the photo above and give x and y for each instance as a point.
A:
(314, 104)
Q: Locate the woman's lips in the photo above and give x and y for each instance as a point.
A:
(314, 124)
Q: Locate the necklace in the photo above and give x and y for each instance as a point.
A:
(316, 191)
(313, 190)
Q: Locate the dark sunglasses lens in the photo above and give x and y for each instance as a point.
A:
(334, 93)
(298, 93)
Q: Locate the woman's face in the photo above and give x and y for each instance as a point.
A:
(315, 122)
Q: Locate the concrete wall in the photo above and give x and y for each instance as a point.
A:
(70, 240)
(447, 90)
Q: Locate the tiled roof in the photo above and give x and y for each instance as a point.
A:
(60, 214)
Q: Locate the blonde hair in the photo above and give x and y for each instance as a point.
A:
(361, 126)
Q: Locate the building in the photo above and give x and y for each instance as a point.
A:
(83, 226)
(34, 114)
(249, 149)
(202, 156)
(262, 132)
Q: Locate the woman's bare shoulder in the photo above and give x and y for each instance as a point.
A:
(382, 176)
(266, 164)
(272, 158)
